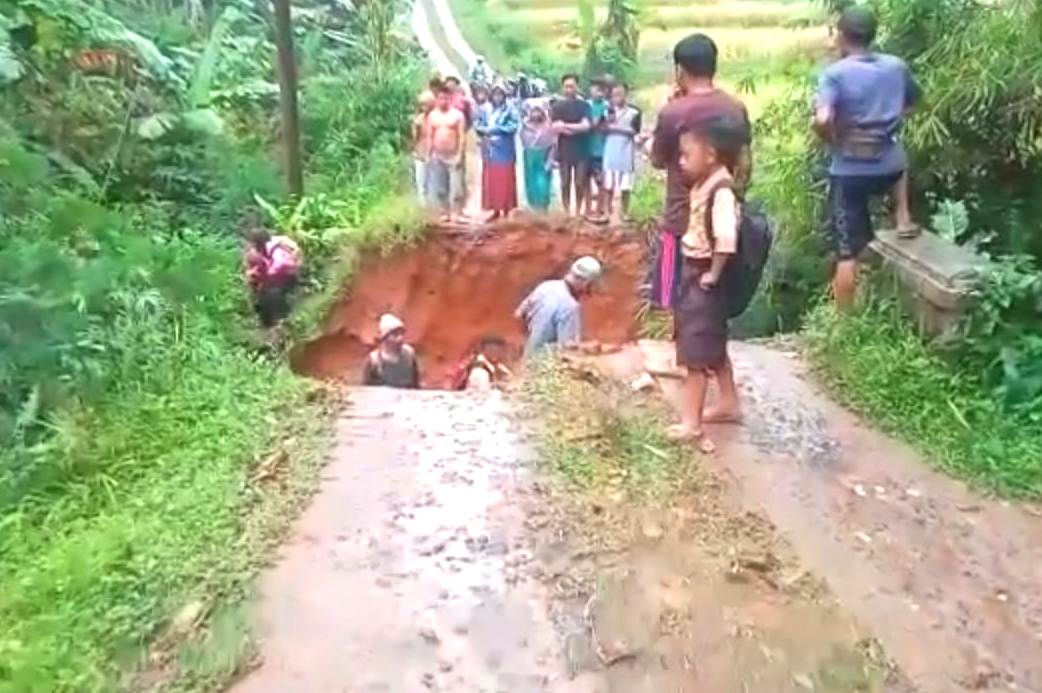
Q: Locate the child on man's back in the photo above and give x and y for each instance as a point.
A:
(707, 155)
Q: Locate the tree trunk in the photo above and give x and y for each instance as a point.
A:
(288, 98)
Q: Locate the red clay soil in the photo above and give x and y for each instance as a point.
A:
(454, 289)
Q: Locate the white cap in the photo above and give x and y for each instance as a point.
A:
(389, 323)
(586, 268)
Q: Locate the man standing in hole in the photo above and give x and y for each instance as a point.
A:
(571, 122)
(696, 101)
(393, 362)
(551, 314)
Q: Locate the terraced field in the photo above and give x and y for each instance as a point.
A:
(755, 36)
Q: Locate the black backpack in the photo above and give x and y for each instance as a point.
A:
(743, 272)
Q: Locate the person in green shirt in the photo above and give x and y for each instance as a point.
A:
(599, 106)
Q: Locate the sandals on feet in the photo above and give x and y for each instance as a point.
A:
(908, 232)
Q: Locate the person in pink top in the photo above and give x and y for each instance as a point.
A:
(272, 266)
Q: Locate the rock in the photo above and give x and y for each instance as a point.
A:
(803, 681)
(430, 636)
(652, 531)
(188, 618)
(615, 652)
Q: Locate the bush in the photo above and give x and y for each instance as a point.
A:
(876, 363)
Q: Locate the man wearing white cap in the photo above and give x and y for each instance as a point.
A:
(551, 312)
(393, 362)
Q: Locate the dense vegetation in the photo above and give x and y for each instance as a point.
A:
(134, 400)
(976, 150)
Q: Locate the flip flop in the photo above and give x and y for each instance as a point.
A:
(907, 232)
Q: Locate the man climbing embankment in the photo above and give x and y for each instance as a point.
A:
(696, 100)
(860, 106)
(551, 313)
(272, 266)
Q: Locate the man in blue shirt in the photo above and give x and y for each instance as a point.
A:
(551, 312)
(860, 106)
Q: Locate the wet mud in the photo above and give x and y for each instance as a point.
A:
(435, 558)
(457, 287)
(947, 580)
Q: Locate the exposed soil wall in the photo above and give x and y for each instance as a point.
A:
(457, 287)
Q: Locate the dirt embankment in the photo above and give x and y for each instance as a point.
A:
(456, 288)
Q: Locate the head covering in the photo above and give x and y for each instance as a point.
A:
(388, 324)
(537, 135)
(586, 268)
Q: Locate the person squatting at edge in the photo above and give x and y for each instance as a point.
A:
(859, 109)
(551, 313)
(392, 363)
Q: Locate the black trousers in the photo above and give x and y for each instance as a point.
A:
(272, 300)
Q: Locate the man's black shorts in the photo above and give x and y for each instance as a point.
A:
(850, 220)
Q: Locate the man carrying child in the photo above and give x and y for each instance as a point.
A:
(708, 153)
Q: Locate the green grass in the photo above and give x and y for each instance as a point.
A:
(602, 438)
(874, 362)
(169, 517)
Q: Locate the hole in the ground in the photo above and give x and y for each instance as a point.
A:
(454, 289)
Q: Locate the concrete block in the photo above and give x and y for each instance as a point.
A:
(933, 277)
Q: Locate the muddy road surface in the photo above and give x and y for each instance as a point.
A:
(950, 582)
(434, 559)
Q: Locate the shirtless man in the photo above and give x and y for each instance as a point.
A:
(446, 130)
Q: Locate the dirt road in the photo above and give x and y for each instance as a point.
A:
(432, 559)
(811, 553)
(402, 575)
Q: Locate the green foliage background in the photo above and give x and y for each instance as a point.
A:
(134, 397)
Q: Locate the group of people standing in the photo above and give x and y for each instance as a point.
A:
(702, 140)
(592, 143)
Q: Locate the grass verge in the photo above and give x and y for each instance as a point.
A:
(874, 362)
(599, 437)
(201, 469)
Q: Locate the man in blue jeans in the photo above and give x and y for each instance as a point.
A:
(859, 109)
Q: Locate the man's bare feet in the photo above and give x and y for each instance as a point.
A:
(722, 415)
(683, 433)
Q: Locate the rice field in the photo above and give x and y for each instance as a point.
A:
(754, 37)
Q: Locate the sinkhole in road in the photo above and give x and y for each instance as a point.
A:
(457, 287)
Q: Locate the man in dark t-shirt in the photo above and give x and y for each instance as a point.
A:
(695, 100)
(571, 121)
